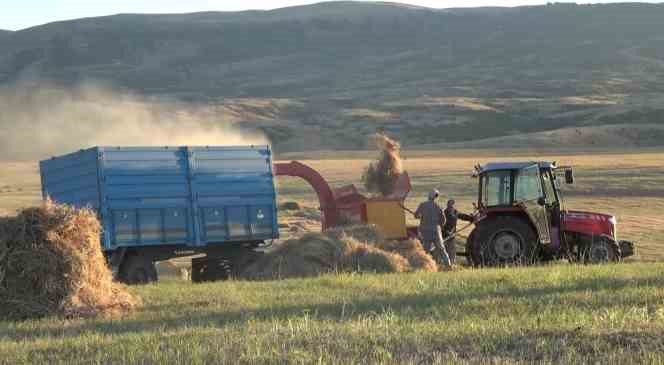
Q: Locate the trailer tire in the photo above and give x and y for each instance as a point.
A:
(504, 241)
(209, 269)
(242, 261)
(137, 269)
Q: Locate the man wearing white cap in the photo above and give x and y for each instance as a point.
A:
(432, 220)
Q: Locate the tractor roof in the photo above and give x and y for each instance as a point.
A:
(491, 166)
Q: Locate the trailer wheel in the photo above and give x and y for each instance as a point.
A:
(209, 269)
(242, 261)
(601, 251)
(504, 241)
(137, 269)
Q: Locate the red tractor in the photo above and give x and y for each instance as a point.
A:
(522, 220)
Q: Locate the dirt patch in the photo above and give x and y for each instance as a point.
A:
(51, 263)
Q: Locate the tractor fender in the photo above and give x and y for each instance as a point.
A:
(494, 213)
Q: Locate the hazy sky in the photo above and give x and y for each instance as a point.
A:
(19, 14)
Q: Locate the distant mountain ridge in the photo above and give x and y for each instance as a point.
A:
(348, 69)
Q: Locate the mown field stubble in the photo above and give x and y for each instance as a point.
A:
(548, 314)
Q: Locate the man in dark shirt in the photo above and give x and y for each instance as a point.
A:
(449, 228)
(432, 219)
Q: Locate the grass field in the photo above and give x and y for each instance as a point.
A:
(548, 314)
(611, 314)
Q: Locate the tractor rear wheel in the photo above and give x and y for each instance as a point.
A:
(601, 251)
(504, 241)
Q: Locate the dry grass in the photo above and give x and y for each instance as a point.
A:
(456, 102)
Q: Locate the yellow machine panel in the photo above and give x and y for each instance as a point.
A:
(388, 216)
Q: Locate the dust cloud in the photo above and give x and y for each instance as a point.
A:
(39, 121)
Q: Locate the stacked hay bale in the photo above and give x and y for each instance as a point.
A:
(51, 263)
(346, 249)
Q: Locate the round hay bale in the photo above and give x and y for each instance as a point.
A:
(52, 263)
(412, 251)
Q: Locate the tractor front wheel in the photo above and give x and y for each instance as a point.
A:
(504, 241)
(601, 251)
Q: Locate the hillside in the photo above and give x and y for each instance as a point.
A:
(5, 34)
(342, 70)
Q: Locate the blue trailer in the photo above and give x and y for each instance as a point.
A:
(156, 203)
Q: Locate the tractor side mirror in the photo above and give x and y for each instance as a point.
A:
(541, 201)
(569, 176)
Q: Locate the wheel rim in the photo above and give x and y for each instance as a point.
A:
(599, 252)
(507, 245)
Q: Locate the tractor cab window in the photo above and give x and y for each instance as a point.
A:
(497, 189)
(549, 187)
(528, 186)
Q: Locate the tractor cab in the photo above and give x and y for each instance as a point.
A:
(524, 187)
(522, 219)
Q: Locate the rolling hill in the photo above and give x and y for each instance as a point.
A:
(327, 75)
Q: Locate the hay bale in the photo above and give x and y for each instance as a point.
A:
(51, 263)
(310, 255)
(366, 233)
(317, 253)
(357, 248)
(411, 250)
(365, 258)
(380, 175)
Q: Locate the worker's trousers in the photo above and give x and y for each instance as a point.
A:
(432, 240)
